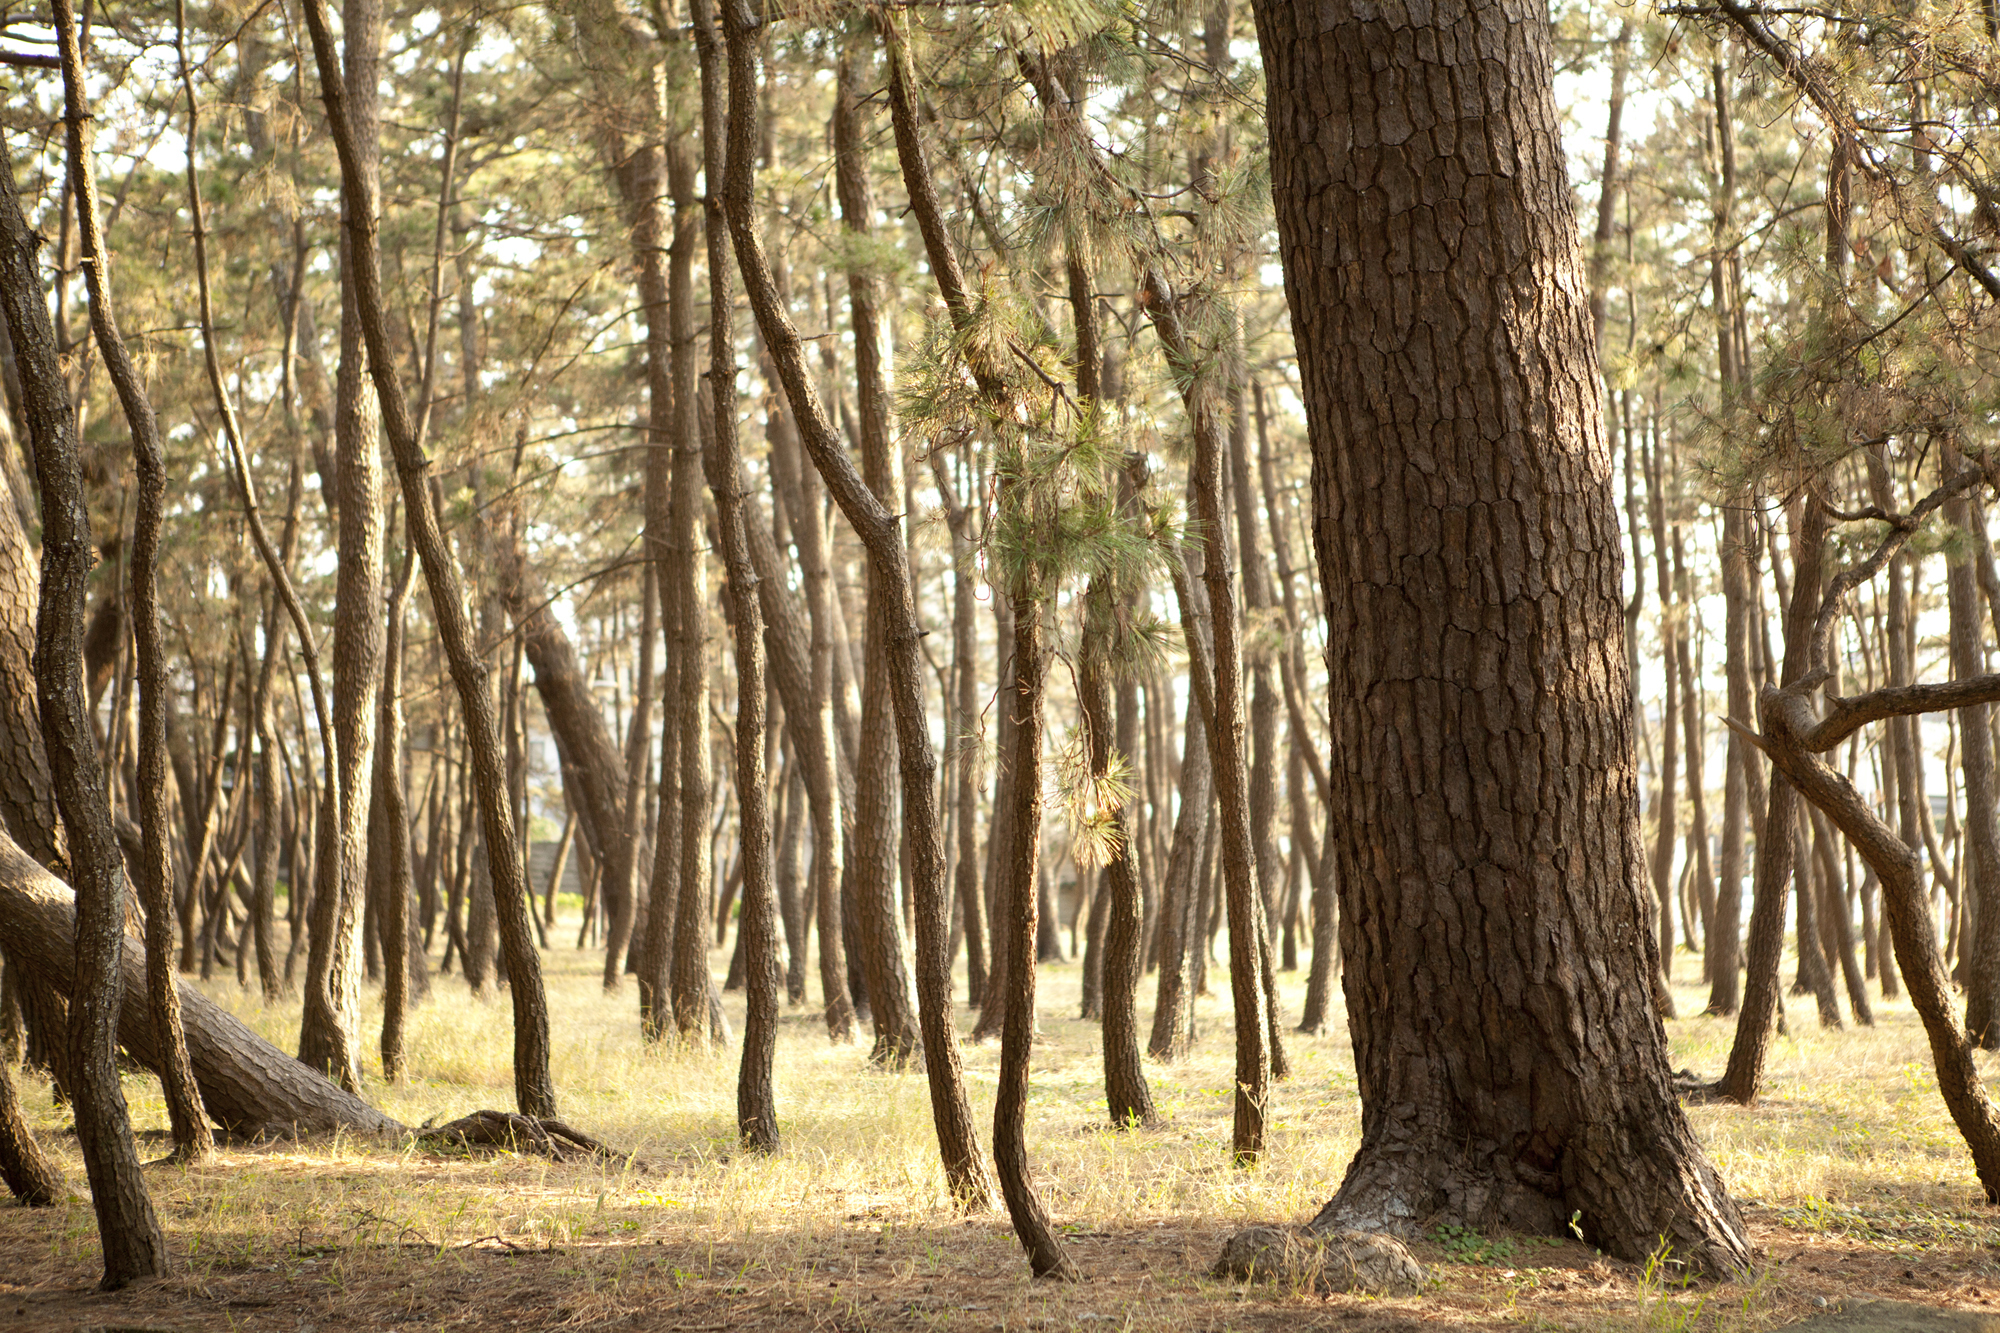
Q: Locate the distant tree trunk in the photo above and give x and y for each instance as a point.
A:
(1467, 643)
(1666, 831)
(1724, 960)
(791, 906)
(1179, 895)
(964, 724)
(1692, 712)
(329, 1030)
(687, 576)
(1815, 968)
(593, 770)
(1127, 1097)
(269, 796)
(1838, 927)
(30, 1174)
(395, 819)
(1000, 840)
(133, 1244)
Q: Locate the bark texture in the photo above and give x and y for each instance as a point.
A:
(1485, 813)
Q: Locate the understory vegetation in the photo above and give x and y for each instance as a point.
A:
(1849, 1169)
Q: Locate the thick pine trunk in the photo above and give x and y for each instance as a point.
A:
(1485, 814)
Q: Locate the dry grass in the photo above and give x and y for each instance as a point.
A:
(1857, 1180)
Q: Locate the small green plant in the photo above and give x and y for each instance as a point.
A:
(1465, 1246)
(1663, 1277)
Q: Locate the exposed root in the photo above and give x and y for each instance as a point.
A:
(504, 1131)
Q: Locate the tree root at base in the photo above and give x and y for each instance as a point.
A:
(506, 1131)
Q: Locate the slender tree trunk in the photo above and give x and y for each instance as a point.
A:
(1127, 1097)
(1249, 942)
(396, 961)
(1982, 827)
(1666, 832)
(1047, 1256)
(1174, 1007)
(132, 1241)
(193, 1140)
(1776, 843)
(533, 1088)
(670, 380)
(874, 856)
(756, 1103)
(958, 1144)
(329, 1031)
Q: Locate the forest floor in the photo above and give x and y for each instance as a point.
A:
(1853, 1180)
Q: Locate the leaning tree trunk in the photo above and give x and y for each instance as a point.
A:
(1485, 817)
(881, 534)
(31, 1176)
(873, 857)
(249, 1086)
(534, 1090)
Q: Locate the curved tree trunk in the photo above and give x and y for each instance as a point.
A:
(1217, 678)
(132, 1241)
(32, 1177)
(873, 858)
(593, 770)
(534, 1090)
(1511, 1068)
(1047, 1255)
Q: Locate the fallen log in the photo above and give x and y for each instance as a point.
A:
(251, 1088)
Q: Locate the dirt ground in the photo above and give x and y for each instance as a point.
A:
(874, 1274)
